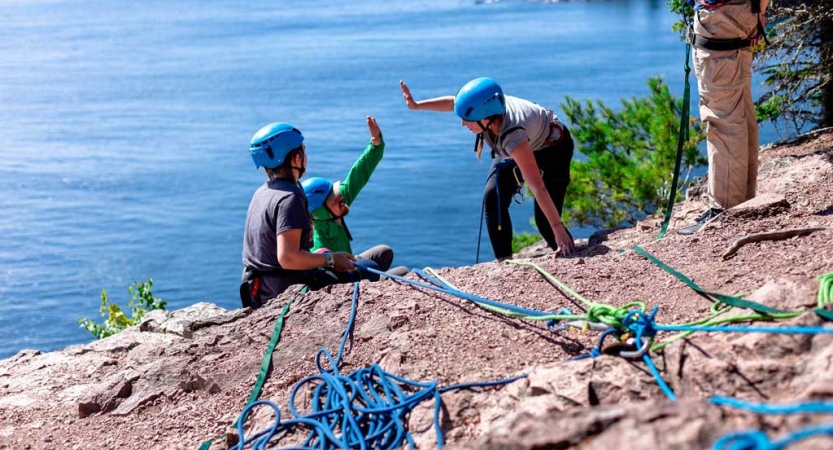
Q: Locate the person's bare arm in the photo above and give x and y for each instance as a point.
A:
(290, 255)
(443, 104)
(525, 159)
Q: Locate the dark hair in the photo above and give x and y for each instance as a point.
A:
(285, 169)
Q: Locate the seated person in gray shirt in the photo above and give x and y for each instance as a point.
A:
(278, 233)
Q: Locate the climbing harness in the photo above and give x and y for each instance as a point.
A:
(518, 196)
(250, 285)
(727, 44)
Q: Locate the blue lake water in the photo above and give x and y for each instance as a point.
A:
(124, 129)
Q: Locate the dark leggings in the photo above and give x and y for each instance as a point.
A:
(555, 163)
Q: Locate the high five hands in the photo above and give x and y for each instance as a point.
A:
(406, 93)
(375, 132)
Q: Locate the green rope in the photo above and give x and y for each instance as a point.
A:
(825, 289)
(763, 312)
(682, 138)
(825, 297)
(728, 299)
(596, 312)
(265, 365)
(548, 276)
(610, 315)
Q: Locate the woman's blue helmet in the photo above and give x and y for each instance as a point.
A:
(272, 143)
(478, 99)
(317, 189)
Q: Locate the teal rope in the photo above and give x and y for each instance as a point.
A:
(365, 409)
(757, 439)
(763, 408)
(662, 384)
(746, 329)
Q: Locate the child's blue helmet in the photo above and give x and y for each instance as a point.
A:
(478, 99)
(272, 143)
(317, 189)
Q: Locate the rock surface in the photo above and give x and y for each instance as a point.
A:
(183, 377)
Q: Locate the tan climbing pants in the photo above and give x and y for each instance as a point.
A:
(724, 79)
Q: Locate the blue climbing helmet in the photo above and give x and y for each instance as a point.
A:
(317, 189)
(478, 99)
(272, 143)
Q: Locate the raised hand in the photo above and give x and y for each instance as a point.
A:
(406, 93)
(375, 132)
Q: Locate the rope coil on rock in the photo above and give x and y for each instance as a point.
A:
(632, 318)
(367, 408)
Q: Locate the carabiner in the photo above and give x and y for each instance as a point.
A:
(519, 192)
(640, 352)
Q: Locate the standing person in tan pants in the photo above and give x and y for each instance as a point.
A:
(724, 31)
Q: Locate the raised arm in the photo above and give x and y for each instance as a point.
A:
(363, 168)
(443, 104)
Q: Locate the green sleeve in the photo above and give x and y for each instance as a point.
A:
(360, 173)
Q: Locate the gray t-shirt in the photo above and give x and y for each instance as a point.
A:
(277, 206)
(523, 121)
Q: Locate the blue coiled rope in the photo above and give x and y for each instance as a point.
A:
(757, 439)
(366, 409)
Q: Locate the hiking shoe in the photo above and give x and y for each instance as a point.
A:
(707, 215)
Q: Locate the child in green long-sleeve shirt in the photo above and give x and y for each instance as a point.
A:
(330, 202)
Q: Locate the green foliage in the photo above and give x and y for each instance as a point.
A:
(141, 301)
(630, 157)
(798, 67)
(521, 241)
(680, 26)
